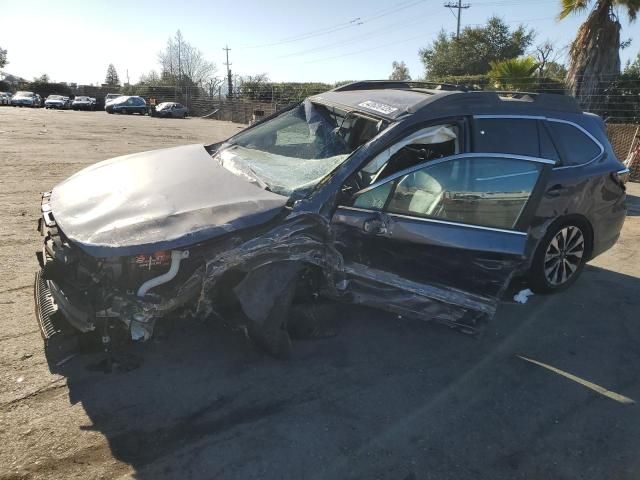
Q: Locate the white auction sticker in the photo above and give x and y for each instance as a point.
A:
(378, 107)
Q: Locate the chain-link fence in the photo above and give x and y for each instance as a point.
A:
(618, 103)
(625, 139)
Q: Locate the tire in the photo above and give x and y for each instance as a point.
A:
(560, 257)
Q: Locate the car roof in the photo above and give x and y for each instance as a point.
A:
(392, 100)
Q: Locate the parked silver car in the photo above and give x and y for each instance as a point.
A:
(170, 110)
(25, 99)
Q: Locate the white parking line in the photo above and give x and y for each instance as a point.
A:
(596, 388)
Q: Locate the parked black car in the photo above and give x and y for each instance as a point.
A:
(421, 201)
(170, 110)
(127, 104)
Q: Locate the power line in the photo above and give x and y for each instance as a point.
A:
(459, 6)
(384, 30)
(355, 22)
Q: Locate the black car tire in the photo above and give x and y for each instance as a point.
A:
(560, 257)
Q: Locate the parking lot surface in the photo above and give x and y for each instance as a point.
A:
(385, 398)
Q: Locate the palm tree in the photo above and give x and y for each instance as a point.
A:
(595, 52)
(514, 73)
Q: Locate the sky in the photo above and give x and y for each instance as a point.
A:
(328, 41)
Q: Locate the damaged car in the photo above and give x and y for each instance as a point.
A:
(417, 199)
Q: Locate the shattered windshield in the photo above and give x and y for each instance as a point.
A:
(298, 148)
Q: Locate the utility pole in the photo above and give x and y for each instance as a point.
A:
(180, 62)
(229, 82)
(458, 6)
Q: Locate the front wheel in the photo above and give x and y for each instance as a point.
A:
(560, 258)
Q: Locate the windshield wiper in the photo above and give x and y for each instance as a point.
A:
(261, 183)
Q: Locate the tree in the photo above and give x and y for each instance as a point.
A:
(400, 71)
(555, 71)
(255, 87)
(150, 78)
(514, 73)
(547, 56)
(44, 78)
(477, 47)
(213, 84)
(594, 57)
(632, 69)
(3, 57)
(112, 78)
(184, 64)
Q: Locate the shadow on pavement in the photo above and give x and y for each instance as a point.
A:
(387, 397)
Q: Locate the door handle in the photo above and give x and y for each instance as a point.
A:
(556, 190)
(375, 226)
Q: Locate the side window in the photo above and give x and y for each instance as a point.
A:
(575, 146)
(430, 143)
(547, 148)
(490, 192)
(375, 198)
(517, 136)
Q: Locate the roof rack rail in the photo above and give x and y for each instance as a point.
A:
(399, 84)
(551, 101)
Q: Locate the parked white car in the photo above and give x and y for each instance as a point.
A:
(57, 101)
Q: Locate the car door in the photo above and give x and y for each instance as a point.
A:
(441, 239)
(129, 105)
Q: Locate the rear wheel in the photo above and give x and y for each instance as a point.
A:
(560, 257)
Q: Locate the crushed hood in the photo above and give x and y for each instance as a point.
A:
(157, 200)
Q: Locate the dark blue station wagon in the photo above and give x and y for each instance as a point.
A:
(421, 201)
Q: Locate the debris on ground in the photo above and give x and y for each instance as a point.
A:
(522, 296)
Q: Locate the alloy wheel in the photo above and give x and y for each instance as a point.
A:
(564, 255)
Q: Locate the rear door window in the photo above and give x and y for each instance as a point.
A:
(575, 146)
(516, 136)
